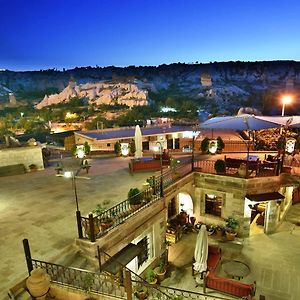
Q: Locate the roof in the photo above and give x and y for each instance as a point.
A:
(129, 132)
(265, 197)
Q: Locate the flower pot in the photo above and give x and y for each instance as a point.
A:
(160, 275)
(142, 293)
(230, 236)
(38, 283)
(106, 224)
(134, 207)
(219, 233)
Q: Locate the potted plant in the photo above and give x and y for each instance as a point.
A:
(151, 277)
(231, 226)
(219, 230)
(105, 220)
(161, 270)
(204, 145)
(141, 291)
(242, 170)
(135, 198)
(220, 144)
(281, 144)
(220, 166)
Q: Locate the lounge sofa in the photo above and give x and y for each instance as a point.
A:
(222, 284)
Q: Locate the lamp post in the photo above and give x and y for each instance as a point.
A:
(159, 147)
(287, 99)
(71, 174)
(194, 134)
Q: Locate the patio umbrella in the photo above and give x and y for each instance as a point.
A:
(201, 250)
(138, 142)
(244, 122)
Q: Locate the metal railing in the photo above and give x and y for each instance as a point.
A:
(88, 281)
(263, 169)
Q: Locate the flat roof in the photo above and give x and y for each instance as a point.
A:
(129, 132)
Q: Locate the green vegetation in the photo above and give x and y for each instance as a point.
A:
(220, 166)
(134, 196)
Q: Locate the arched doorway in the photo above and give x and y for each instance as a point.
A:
(185, 203)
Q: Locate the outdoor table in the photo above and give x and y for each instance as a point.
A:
(235, 269)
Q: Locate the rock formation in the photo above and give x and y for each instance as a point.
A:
(99, 93)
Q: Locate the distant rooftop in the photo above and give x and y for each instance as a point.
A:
(118, 133)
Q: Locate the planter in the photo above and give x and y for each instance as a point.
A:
(160, 275)
(242, 170)
(230, 236)
(153, 283)
(134, 207)
(141, 293)
(219, 233)
(38, 283)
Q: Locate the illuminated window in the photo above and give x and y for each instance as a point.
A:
(213, 205)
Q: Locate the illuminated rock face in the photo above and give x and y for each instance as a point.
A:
(99, 93)
(206, 80)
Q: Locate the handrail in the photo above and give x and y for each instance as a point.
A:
(154, 289)
(85, 280)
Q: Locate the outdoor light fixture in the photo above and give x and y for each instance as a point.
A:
(124, 149)
(213, 146)
(290, 146)
(68, 174)
(287, 99)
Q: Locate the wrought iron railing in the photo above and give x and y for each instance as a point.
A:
(85, 280)
(188, 295)
(96, 226)
(263, 169)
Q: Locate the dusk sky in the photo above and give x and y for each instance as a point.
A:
(41, 34)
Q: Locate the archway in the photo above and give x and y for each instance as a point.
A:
(185, 203)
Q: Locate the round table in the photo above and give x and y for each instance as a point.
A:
(235, 269)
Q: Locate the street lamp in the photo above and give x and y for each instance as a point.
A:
(287, 99)
(194, 135)
(71, 174)
(158, 147)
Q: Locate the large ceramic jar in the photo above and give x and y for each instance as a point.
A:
(38, 283)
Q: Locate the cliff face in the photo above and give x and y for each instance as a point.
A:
(99, 93)
(228, 84)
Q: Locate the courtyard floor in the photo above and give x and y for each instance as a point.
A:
(41, 207)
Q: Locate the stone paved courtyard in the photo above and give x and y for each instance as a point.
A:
(41, 207)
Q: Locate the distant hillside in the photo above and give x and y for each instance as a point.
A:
(226, 85)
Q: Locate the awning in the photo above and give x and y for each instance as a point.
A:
(127, 254)
(265, 197)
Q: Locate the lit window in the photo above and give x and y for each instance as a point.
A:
(213, 205)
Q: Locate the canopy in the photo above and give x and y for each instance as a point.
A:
(138, 142)
(244, 122)
(201, 250)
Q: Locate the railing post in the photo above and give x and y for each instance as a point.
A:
(128, 285)
(79, 224)
(27, 255)
(92, 228)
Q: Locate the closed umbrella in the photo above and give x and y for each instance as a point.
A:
(138, 142)
(201, 250)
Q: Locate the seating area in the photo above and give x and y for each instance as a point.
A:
(222, 284)
(269, 166)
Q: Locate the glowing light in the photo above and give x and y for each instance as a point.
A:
(68, 174)
(287, 99)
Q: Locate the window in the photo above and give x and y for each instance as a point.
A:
(144, 253)
(108, 144)
(213, 205)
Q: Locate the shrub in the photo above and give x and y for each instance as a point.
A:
(150, 275)
(220, 166)
(205, 145)
(220, 144)
(117, 148)
(134, 196)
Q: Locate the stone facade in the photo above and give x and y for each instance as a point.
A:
(233, 191)
(22, 155)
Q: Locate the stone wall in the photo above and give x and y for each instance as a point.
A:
(22, 155)
(232, 190)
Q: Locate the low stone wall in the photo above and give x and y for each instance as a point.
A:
(22, 155)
